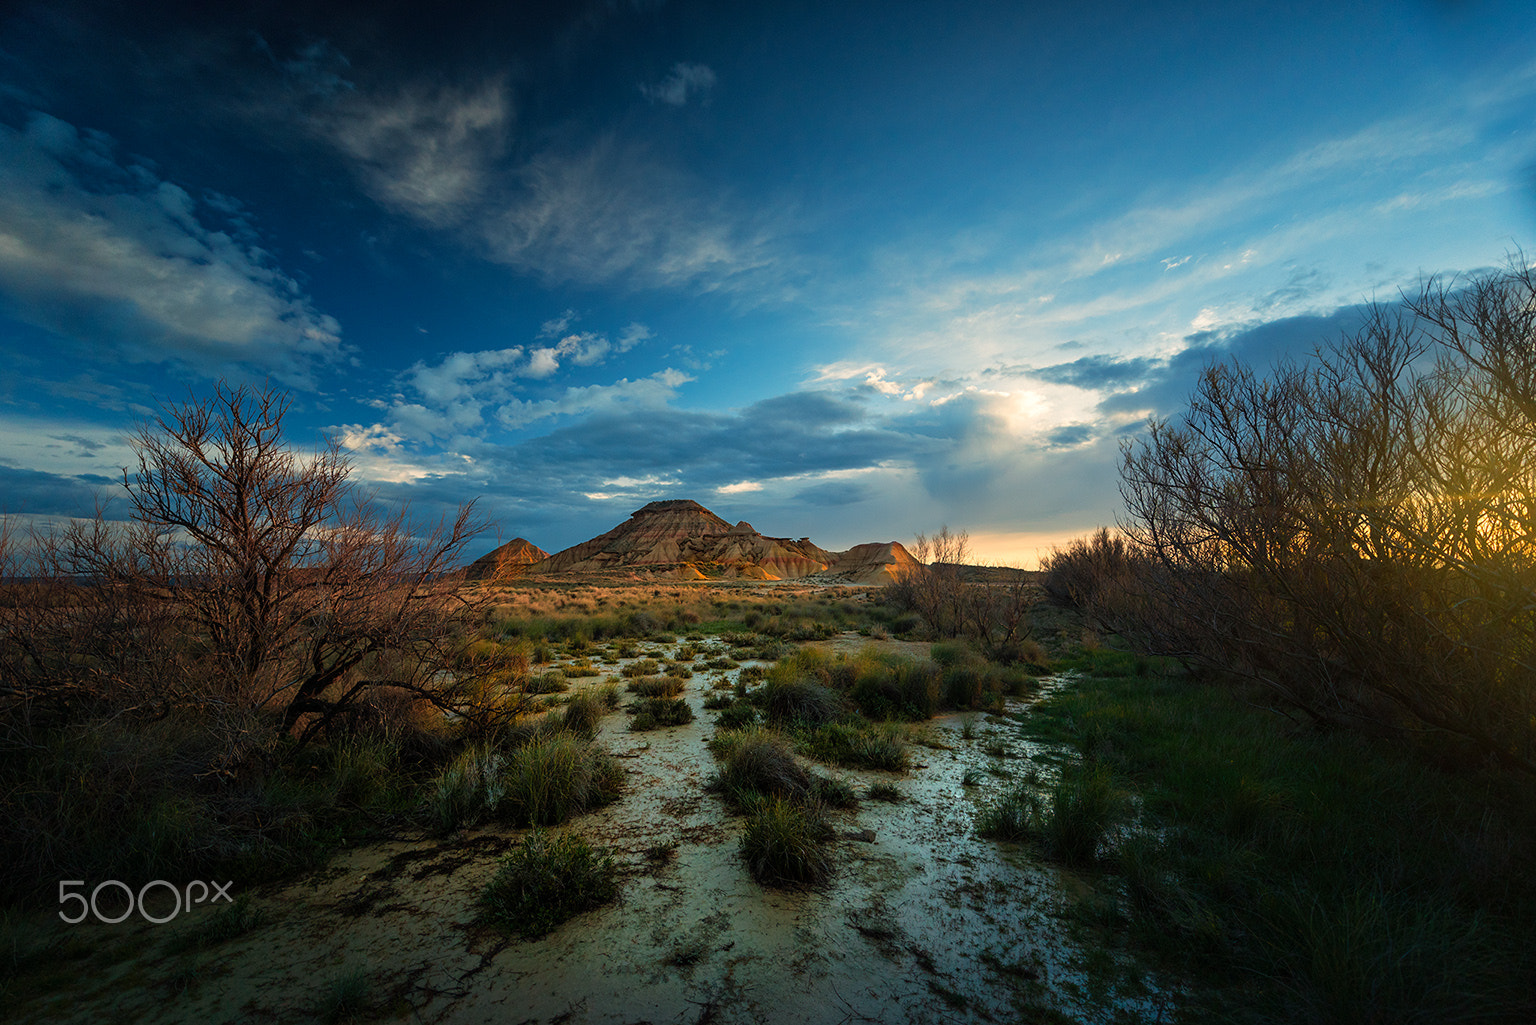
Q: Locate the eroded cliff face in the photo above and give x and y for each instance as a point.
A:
(682, 540)
(509, 561)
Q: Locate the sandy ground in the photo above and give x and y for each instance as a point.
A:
(923, 921)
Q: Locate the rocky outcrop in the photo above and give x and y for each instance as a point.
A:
(510, 560)
(880, 562)
(683, 540)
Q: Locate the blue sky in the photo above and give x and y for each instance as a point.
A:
(852, 271)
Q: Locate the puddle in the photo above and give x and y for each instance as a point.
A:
(922, 921)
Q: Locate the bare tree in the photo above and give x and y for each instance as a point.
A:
(993, 613)
(1356, 533)
(281, 580)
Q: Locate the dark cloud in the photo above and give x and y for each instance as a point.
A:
(1104, 373)
(834, 492)
(1167, 389)
(1070, 435)
(803, 409)
(38, 493)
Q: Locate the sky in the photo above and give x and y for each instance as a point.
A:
(853, 271)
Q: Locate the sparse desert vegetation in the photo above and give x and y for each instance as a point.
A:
(1183, 749)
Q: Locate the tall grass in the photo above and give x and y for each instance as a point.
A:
(1310, 876)
(543, 782)
(785, 843)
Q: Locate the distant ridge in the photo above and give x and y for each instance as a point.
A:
(682, 540)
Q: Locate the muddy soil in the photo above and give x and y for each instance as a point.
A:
(922, 922)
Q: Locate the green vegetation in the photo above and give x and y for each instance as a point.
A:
(785, 843)
(860, 744)
(546, 880)
(655, 713)
(348, 997)
(1070, 824)
(657, 686)
(543, 781)
(218, 925)
(1338, 878)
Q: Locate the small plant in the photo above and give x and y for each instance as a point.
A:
(656, 686)
(1082, 808)
(641, 667)
(552, 682)
(857, 743)
(972, 778)
(347, 997)
(1014, 816)
(799, 702)
(786, 844)
(582, 714)
(654, 713)
(547, 880)
(661, 853)
(833, 792)
(968, 728)
(885, 792)
(736, 715)
(220, 924)
(758, 762)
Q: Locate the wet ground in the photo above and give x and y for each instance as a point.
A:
(922, 922)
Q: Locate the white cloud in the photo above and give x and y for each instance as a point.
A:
(557, 325)
(426, 150)
(685, 80)
(94, 249)
(653, 391)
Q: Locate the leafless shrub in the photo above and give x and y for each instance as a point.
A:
(250, 575)
(995, 614)
(1359, 533)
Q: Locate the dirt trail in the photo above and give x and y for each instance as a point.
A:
(922, 922)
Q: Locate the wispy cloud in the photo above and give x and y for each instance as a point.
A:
(427, 151)
(683, 83)
(111, 254)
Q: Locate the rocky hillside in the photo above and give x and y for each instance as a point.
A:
(510, 560)
(682, 540)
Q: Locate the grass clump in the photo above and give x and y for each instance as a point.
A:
(799, 703)
(855, 743)
(736, 715)
(758, 763)
(657, 686)
(544, 781)
(640, 667)
(582, 713)
(552, 682)
(546, 880)
(655, 713)
(348, 997)
(786, 843)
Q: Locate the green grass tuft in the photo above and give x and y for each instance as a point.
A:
(786, 843)
(546, 880)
